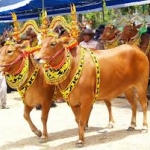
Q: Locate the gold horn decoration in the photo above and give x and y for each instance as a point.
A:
(16, 28)
(59, 21)
(74, 25)
(20, 33)
(45, 24)
(71, 29)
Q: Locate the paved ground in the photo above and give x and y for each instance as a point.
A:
(15, 133)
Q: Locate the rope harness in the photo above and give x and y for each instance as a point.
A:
(57, 76)
(21, 81)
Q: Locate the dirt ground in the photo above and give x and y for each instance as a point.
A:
(15, 133)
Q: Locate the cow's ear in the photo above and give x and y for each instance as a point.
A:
(22, 45)
(138, 26)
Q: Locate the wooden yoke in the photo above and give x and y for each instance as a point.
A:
(19, 31)
(72, 28)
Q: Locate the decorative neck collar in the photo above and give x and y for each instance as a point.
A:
(135, 40)
(29, 83)
(111, 44)
(16, 81)
(65, 92)
(55, 76)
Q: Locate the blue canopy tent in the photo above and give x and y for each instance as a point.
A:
(125, 3)
(27, 9)
(12, 4)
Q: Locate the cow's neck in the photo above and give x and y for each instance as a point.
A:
(78, 59)
(71, 81)
(58, 59)
(63, 77)
(135, 40)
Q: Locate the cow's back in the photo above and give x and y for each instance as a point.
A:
(121, 68)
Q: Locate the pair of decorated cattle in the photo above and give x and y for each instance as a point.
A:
(82, 76)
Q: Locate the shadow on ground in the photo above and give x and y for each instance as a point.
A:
(103, 137)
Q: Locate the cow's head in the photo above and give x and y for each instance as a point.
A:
(51, 45)
(10, 55)
(109, 33)
(129, 31)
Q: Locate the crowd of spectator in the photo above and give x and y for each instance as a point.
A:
(7, 34)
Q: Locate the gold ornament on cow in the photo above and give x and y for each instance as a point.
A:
(16, 28)
(28, 83)
(16, 81)
(55, 76)
(74, 25)
(65, 92)
(72, 28)
(45, 24)
(97, 66)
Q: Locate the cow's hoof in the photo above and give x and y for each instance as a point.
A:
(110, 126)
(43, 139)
(131, 129)
(144, 129)
(79, 144)
(38, 133)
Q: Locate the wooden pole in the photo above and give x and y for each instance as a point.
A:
(103, 11)
(43, 5)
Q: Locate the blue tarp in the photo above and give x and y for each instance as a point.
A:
(125, 3)
(33, 8)
(12, 4)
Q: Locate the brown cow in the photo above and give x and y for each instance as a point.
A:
(32, 86)
(78, 78)
(132, 36)
(110, 36)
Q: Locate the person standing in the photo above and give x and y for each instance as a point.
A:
(3, 92)
(88, 41)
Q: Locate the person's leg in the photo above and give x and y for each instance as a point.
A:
(3, 103)
(4, 95)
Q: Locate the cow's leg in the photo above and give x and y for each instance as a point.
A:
(45, 111)
(76, 111)
(144, 105)
(84, 114)
(27, 111)
(111, 120)
(131, 96)
(87, 124)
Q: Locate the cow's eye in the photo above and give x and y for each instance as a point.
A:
(53, 44)
(9, 52)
